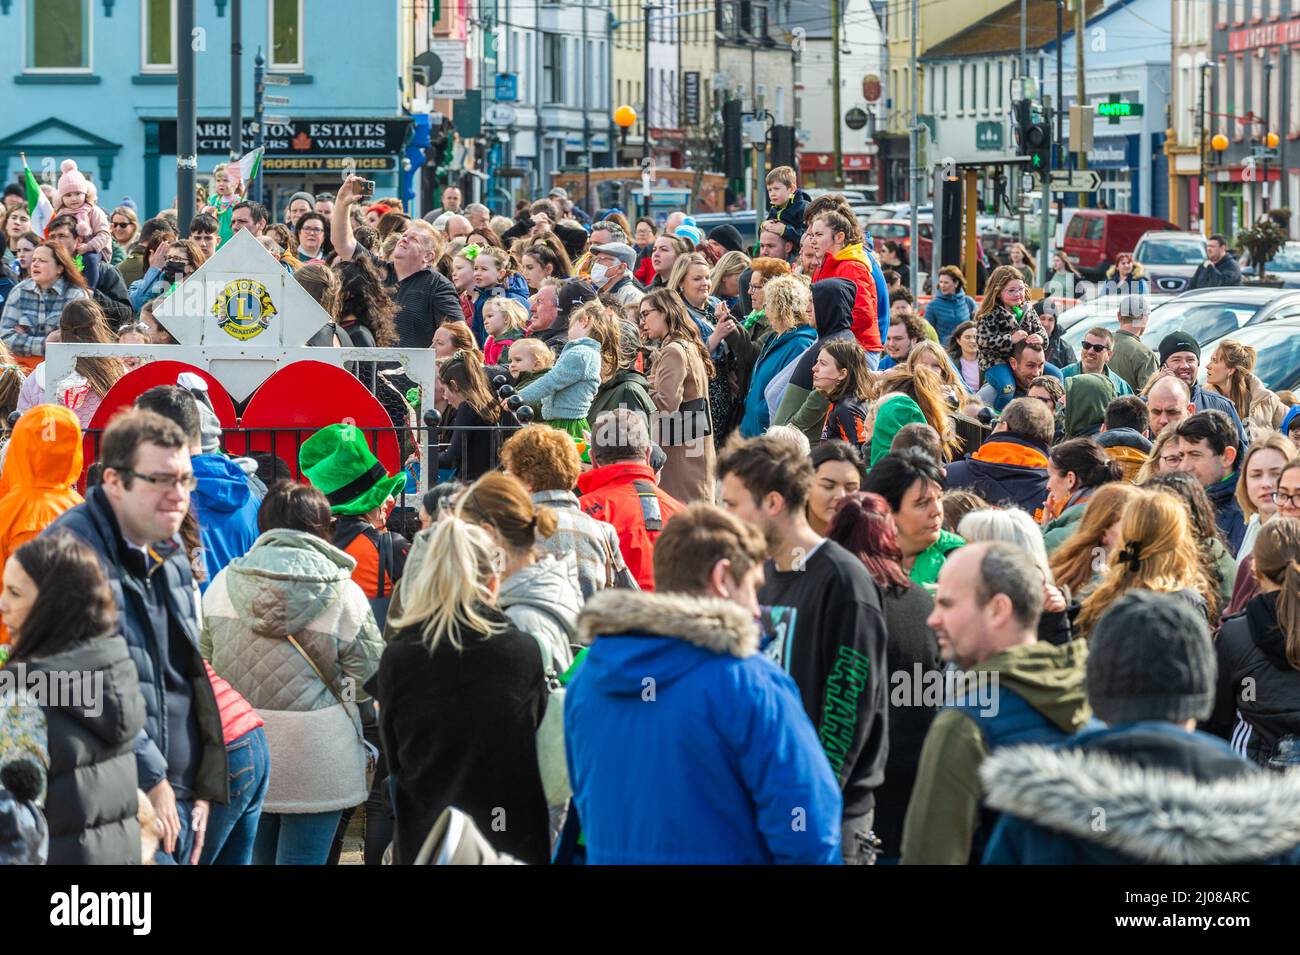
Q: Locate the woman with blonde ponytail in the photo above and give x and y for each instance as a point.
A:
(1156, 550)
(461, 695)
(1257, 703)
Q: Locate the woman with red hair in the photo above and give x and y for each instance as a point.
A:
(864, 525)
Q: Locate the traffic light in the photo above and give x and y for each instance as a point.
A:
(783, 147)
(733, 157)
(1033, 136)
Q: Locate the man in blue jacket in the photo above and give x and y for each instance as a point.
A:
(685, 745)
(1010, 468)
(1148, 789)
(131, 521)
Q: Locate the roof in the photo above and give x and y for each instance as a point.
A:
(999, 32)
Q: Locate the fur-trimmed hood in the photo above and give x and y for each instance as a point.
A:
(709, 623)
(1154, 815)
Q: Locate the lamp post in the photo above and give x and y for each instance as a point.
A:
(624, 119)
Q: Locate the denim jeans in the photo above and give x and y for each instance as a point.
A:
(184, 841)
(1004, 382)
(233, 827)
(295, 838)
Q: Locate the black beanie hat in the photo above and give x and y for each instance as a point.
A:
(1175, 342)
(728, 236)
(1150, 658)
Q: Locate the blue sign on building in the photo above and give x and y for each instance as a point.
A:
(507, 90)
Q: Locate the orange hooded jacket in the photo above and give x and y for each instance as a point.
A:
(42, 464)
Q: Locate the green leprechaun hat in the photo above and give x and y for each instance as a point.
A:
(339, 462)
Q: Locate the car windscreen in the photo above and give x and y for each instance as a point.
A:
(1155, 252)
(1204, 321)
(1286, 260)
(1277, 361)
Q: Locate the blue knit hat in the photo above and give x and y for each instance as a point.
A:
(1290, 418)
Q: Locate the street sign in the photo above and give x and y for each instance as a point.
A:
(1263, 152)
(507, 90)
(855, 118)
(988, 135)
(500, 114)
(274, 79)
(1119, 110)
(871, 88)
(1080, 180)
(451, 84)
(270, 100)
(276, 120)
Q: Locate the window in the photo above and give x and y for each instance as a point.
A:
(1254, 98)
(987, 74)
(552, 77)
(945, 90)
(58, 36)
(157, 39)
(1002, 85)
(286, 34)
(961, 89)
(974, 87)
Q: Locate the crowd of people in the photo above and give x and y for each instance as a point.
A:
(813, 573)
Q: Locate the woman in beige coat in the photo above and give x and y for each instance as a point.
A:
(1230, 373)
(679, 387)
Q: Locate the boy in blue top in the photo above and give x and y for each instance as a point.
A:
(685, 745)
(787, 204)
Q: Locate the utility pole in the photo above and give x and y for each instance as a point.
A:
(587, 205)
(1060, 79)
(1080, 94)
(837, 123)
(1202, 141)
(796, 82)
(1044, 259)
(1024, 56)
(914, 150)
(259, 115)
(645, 81)
(186, 117)
(236, 89)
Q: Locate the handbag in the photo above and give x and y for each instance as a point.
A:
(551, 762)
(370, 749)
(690, 422)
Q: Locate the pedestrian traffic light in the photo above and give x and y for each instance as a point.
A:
(733, 158)
(783, 147)
(1039, 140)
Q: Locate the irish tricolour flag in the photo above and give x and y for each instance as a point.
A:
(251, 164)
(38, 204)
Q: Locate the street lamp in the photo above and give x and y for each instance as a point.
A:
(624, 119)
(1219, 143)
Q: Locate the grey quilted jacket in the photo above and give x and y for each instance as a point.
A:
(294, 583)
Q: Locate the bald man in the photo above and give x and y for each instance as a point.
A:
(1169, 402)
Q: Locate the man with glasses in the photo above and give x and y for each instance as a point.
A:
(1094, 355)
(131, 520)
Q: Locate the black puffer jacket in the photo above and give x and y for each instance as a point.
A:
(1258, 697)
(91, 802)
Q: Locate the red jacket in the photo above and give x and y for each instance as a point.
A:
(614, 494)
(852, 263)
(237, 717)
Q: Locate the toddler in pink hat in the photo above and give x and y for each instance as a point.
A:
(76, 199)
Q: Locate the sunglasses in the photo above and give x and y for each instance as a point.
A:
(121, 225)
(1093, 346)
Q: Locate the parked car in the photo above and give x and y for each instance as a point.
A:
(1101, 312)
(1277, 346)
(901, 230)
(1285, 265)
(859, 201)
(743, 221)
(1213, 313)
(1095, 236)
(1169, 259)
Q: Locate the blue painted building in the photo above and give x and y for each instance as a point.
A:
(1126, 57)
(95, 81)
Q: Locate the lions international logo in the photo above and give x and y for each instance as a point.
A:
(243, 309)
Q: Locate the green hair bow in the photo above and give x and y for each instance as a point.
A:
(471, 252)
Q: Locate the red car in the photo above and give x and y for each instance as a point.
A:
(900, 230)
(1094, 237)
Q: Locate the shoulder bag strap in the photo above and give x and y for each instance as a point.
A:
(385, 561)
(328, 685)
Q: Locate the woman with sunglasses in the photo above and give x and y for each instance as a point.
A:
(123, 226)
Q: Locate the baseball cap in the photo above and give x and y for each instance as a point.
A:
(572, 294)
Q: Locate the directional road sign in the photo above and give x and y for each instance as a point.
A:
(1081, 180)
